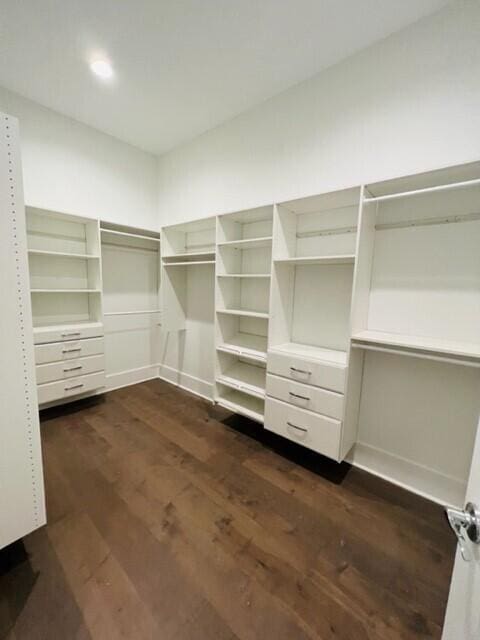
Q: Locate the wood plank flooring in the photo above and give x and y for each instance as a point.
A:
(170, 519)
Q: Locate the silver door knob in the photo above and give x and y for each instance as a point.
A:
(466, 526)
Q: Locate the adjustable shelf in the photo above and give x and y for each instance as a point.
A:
(244, 275)
(248, 378)
(241, 403)
(248, 243)
(188, 263)
(63, 254)
(339, 259)
(65, 291)
(247, 345)
(244, 312)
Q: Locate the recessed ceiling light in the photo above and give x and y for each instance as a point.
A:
(102, 68)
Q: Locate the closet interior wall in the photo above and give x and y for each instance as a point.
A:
(347, 322)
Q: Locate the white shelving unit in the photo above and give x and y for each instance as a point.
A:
(66, 292)
(347, 322)
(244, 257)
(131, 302)
(314, 251)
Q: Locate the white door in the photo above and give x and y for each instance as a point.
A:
(462, 621)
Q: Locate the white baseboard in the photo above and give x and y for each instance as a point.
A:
(132, 376)
(426, 482)
(187, 382)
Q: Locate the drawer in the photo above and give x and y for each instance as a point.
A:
(329, 403)
(320, 374)
(68, 388)
(71, 369)
(70, 350)
(43, 335)
(312, 430)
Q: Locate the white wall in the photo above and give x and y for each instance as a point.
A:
(70, 167)
(407, 104)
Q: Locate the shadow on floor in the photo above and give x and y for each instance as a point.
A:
(325, 467)
(17, 579)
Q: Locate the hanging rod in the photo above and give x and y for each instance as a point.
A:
(130, 235)
(130, 313)
(327, 232)
(442, 187)
(425, 222)
(414, 354)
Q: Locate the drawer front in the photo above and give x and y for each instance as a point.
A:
(42, 336)
(309, 429)
(319, 374)
(329, 403)
(70, 350)
(70, 369)
(69, 388)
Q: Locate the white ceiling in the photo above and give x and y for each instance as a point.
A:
(182, 66)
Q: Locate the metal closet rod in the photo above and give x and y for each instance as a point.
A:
(441, 187)
(403, 351)
(426, 222)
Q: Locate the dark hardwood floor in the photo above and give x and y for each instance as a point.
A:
(169, 518)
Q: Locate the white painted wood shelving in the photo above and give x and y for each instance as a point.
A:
(314, 316)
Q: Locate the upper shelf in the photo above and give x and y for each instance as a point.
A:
(248, 243)
(419, 343)
(63, 254)
(338, 259)
(192, 256)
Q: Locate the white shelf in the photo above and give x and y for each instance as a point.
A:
(243, 275)
(190, 263)
(132, 313)
(48, 327)
(244, 312)
(249, 406)
(339, 259)
(420, 343)
(194, 255)
(315, 353)
(245, 377)
(62, 254)
(65, 291)
(126, 234)
(247, 345)
(248, 243)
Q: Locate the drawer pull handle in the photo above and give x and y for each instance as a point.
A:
(306, 373)
(71, 350)
(294, 426)
(296, 395)
(71, 334)
(75, 386)
(73, 368)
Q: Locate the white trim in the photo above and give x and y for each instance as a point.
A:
(424, 481)
(132, 376)
(187, 382)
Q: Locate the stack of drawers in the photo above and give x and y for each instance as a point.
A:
(305, 401)
(69, 361)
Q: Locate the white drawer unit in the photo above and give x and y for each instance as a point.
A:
(312, 430)
(43, 335)
(73, 349)
(63, 389)
(313, 372)
(69, 369)
(328, 403)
